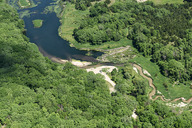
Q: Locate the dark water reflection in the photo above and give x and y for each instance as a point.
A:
(47, 38)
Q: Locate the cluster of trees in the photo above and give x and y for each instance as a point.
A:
(159, 115)
(101, 27)
(129, 82)
(150, 114)
(83, 4)
(163, 32)
(36, 92)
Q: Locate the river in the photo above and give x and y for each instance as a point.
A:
(47, 38)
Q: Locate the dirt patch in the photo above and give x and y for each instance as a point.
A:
(146, 72)
(134, 68)
(134, 115)
(100, 71)
(177, 105)
(118, 55)
(80, 63)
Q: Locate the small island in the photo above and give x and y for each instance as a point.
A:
(37, 23)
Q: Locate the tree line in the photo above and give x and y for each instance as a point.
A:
(36, 92)
(160, 31)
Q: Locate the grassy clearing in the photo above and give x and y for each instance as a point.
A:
(37, 23)
(122, 57)
(70, 20)
(104, 46)
(24, 3)
(167, 1)
(171, 92)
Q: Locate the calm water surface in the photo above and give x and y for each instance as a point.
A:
(47, 38)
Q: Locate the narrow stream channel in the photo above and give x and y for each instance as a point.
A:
(47, 38)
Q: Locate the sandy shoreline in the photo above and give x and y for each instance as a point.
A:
(77, 63)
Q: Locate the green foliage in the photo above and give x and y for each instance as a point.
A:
(187, 0)
(128, 82)
(37, 23)
(39, 93)
(158, 2)
(107, 1)
(161, 82)
(36, 92)
(24, 3)
(82, 5)
(72, 21)
(158, 31)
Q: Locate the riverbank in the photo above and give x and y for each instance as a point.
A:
(71, 19)
(175, 92)
(118, 55)
(162, 83)
(162, 97)
(77, 63)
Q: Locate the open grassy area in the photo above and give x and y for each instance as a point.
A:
(167, 1)
(70, 20)
(24, 3)
(171, 92)
(104, 46)
(37, 23)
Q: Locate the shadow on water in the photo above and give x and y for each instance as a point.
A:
(47, 38)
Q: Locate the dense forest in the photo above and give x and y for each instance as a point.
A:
(160, 31)
(83, 4)
(38, 93)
